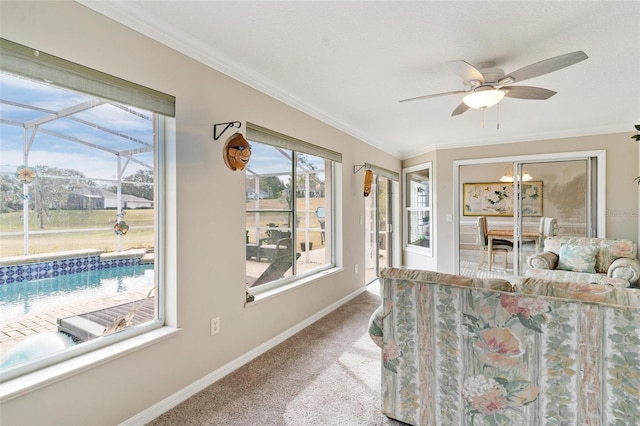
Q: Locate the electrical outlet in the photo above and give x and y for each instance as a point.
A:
(355, 268)
(215, 325)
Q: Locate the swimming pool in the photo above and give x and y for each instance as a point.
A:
(40, 295)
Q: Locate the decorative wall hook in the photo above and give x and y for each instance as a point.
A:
(358, 167)
(217, 135)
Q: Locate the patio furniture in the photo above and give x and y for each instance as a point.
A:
(278, 242)
(88, 326)
(276, 270)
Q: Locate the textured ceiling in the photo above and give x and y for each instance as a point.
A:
(349, 63)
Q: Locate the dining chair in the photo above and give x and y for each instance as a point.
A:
(498, 246)
(548, 228)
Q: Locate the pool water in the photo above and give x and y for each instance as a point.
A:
(28, 297)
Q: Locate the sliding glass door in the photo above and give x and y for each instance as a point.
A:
(524, 201)
(378, 227)
(552, 198)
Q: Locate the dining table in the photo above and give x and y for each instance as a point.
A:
(507, 234)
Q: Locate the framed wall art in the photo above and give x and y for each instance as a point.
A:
(496, 199)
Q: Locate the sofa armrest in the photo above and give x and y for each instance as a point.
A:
(625, 268)
(544, 260)
(375, 326)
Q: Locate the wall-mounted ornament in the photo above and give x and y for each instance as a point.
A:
(26, 174)
(636, 137)
(368, 180)
(368, 176)
(236, 152)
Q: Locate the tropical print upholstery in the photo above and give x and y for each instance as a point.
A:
(470, 354)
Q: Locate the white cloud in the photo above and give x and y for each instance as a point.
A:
(92, 167)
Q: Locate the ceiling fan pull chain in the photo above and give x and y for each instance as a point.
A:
(483, 110)
(498, 120)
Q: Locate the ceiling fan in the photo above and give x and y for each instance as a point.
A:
(486, 85)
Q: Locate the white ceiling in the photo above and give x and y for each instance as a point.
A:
(348, 63)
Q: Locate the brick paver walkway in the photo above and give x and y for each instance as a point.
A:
(13, 330)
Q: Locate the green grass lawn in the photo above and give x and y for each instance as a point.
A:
(97, 226)
(97, 229)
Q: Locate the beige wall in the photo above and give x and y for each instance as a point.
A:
(210, 256)
(621, 194)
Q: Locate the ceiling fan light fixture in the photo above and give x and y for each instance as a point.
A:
(483, 98)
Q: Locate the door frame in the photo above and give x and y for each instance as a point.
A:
(601, 174)
(393, 219)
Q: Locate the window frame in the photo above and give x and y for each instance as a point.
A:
(36, 65)
(258, 134)
(410, 209)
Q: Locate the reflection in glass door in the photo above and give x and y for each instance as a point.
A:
(556, 198)
(550, 196)
(378, 242)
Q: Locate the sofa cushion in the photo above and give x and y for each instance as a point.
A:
(577, 258)
(608, 249)
(598, 293)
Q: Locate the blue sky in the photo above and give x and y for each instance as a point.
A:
(107, 125)
(56, 145)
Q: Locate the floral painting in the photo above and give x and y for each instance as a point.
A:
(496, 199)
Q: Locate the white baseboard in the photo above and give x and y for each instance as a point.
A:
(168, 403)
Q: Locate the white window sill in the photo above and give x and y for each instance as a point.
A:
(418, 250)
(29, 382)
(265, 295)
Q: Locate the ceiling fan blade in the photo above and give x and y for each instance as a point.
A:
(528, 92)
(460, 109)
(547, 66)
(465, 70)
(435, 95)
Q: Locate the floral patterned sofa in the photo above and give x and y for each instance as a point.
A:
(587, 260)
(459, 350)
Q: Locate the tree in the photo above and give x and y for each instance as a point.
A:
(51, 189)
(10, 189)
(272, 185)
(315, 183)
(143, 187)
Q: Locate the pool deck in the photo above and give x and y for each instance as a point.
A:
(17, 328)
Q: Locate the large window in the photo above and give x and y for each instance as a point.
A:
(289, 220)
(79, 210)
(417, 198)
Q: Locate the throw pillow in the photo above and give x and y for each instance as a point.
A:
(577, 258)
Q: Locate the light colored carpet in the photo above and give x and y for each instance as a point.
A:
(327, 374)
